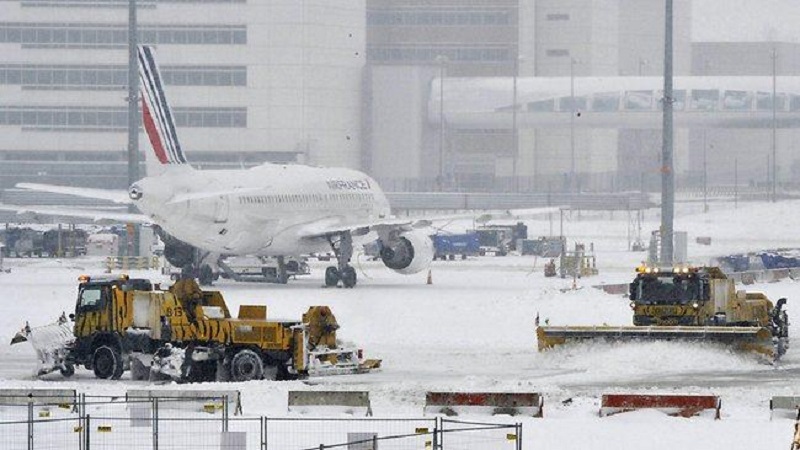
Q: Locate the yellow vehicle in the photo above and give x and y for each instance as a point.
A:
(689, 303)
(122, 323)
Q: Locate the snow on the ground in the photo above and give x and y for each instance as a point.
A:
(473, 330)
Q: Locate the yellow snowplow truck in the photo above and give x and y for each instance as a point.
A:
(124, 324)
(691, 304)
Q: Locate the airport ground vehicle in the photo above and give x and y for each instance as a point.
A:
(695, 304)
(187, 335)
(448, 246)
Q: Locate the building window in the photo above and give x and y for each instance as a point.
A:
(111, 3)
(477, 54)
(480, 18)
(88, 35)
(99, 77)
(113, 119)
(557, 52)
(557, 16)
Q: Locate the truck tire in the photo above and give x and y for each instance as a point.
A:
(107, 362)
(246, 365)
(68, 370)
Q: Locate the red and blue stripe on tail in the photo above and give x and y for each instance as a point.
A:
(156, 114)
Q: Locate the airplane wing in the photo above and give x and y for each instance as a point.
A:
(334, 225)
(93, 214)
(116, 196)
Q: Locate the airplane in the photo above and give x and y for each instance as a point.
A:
(269, 210)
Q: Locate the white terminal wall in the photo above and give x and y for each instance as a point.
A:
(304, 63)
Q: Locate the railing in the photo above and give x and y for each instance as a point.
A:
(99, 423)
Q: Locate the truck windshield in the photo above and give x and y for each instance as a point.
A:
(667, 290)
(89, 298)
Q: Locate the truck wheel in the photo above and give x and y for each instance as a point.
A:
(68, 370)
(107, 363)
(246, 365)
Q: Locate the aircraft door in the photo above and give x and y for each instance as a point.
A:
(221, 209)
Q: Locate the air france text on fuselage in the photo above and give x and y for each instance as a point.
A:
(352, 185)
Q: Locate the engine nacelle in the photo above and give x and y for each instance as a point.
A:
(408, 253)
(176, 252)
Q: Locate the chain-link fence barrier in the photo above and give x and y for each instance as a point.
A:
(106, 423)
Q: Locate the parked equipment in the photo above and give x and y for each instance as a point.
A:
(544, 246)
(500, 239)
(694, 304)
(578, 263)
(187, 335)
(448, 246)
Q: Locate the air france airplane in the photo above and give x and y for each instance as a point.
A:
(269, 210)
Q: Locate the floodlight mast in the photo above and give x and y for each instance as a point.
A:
(667, 172)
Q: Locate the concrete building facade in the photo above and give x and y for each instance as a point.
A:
(273, 80)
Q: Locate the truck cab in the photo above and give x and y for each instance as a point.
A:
(678, 296)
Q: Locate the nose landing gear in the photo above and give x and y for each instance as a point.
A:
(342, 245)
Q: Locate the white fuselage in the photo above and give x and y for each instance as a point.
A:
(268, 210)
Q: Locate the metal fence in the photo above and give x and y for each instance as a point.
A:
(100, 423)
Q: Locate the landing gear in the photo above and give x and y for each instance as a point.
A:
(205, 275)
(348, 277)
(344, 272)
(331, 276)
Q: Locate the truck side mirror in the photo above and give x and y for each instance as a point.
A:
(71, 317)
(632, 291)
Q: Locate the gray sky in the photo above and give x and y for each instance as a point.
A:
(746, 20)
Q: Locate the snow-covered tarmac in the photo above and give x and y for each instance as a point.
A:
(473, 330)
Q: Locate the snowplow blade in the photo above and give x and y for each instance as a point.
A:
(751, 339)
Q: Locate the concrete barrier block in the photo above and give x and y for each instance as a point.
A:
(38, 396)
(784, 404)
(456, 403)
(678, 405)
(330, 402)
(180, 398)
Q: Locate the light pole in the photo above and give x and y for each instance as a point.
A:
(133, 118)
(514, 130)
(735, 183)
(572, 62)
(667, 175)
(774, 56)
(442, 61)
(705, 174)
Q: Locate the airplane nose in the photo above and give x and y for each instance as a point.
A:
(135, 192)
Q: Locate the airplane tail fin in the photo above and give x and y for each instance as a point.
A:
(157, 118)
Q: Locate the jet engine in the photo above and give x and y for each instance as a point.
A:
(176, 252)
(408, 252)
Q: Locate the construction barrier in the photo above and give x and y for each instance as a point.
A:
(764, 276)
(38, 397)
(614, 289)
(676, 405)
(330, 402)
(784, 403)
(455, 403)
(209, 400)
(132, 262)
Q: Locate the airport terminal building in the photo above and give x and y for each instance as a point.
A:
(380, 85)
(249, 82)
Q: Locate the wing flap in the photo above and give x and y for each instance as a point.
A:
(92, 214)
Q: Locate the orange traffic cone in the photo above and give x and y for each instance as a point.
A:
(430, 277)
